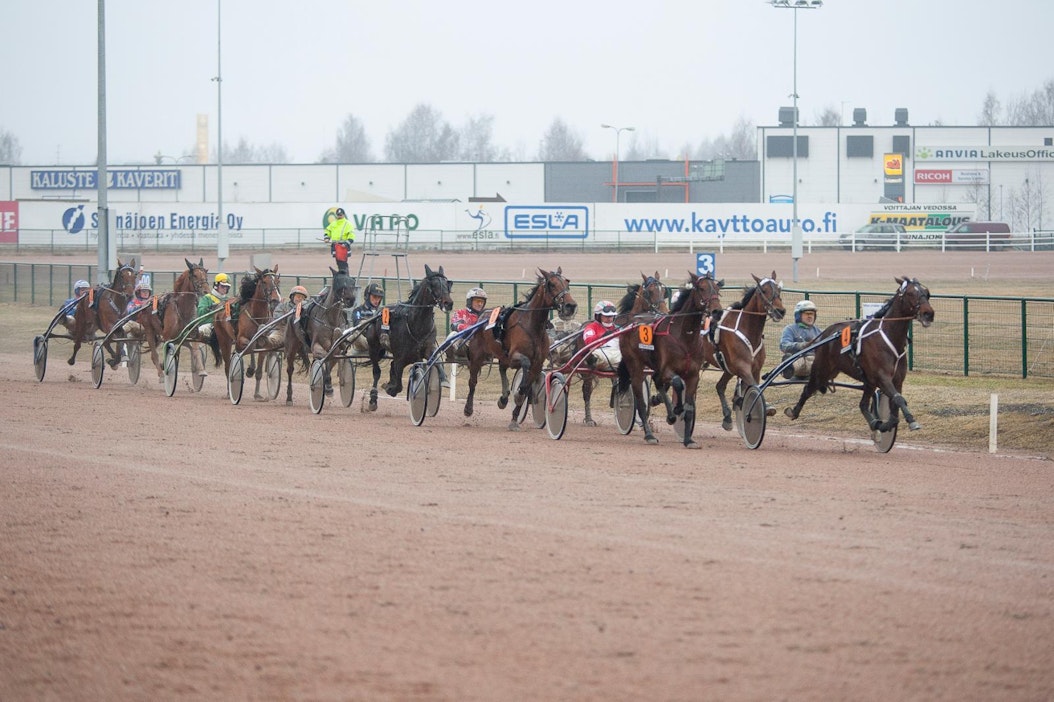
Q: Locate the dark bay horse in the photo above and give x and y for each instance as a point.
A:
(872, 351)
(738, 348)
(523, 342)
(642, 302)
(175, 309)
(407, 330)
(320, 324)
(101, 308)
(672, 348)
(258, 295)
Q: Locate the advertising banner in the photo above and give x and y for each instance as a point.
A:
(8, 222)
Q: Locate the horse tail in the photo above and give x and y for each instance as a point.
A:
(214, 344)
(623, 376)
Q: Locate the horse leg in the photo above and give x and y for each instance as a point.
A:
(689, 411)
(503, 399)
(522, 391)
(376, 363)
(395, 378)
(678, 400)
(290, 359)
(588, 382)
(726, 409)
(641, 404)
(806, 392)
(257, 366)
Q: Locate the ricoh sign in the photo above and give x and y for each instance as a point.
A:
(951, 176)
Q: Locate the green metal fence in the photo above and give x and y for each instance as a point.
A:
(970, 335)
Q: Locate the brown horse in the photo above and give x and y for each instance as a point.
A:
(738, 346)
(672, 349)
(101, 308)
(872, 351)
(642, 302)
(175, 310)
(312, 333)
(258, 294)
(523, 342)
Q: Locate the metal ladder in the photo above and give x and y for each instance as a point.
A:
(380, 241)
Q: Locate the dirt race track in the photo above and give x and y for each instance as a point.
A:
(182, 548)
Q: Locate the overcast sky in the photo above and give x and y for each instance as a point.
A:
(679, 72)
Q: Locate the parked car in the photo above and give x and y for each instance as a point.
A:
(878, 235)
(978, 235)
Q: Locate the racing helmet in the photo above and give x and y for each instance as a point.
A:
(143, 285)
(803, 306)
(340, 212)
(298, 290)
(221, 279)
(81, 285)
(474, 293)
(604, 308)
(374, 289)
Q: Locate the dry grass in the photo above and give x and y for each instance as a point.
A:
(953, 411)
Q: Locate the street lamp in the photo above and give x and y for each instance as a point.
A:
(222, 243)
(618, 132)
(796, 238)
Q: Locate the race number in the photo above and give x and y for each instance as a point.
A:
(646, 337)
(493, 320)
(386, 317)
(706, 264)
(847, 336)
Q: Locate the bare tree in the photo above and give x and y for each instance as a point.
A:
(423, 137)
(10, 149)
(989, 111)
(477, 141)
(642, 147)
(353, 146)
(829, 117)
(246, 152)
(560, 143)
(1033, 110)
(742, 145)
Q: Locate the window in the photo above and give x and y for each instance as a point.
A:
(859, 146)
(902, 144)
(783, 146)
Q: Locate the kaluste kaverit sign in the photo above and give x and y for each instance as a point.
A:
(118, 179)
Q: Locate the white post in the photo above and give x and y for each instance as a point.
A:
(453, 382)
(993, 423)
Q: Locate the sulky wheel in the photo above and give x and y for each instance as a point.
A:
(435, 391)
(317, 379)
(98, 364)
(135, 361)
(170, 368)
(198, 380)
(273, 372)
(882, 407)
(40, 357)
(538, 402)
(417, 393)
(555, 404)
(754, 417)
(346, 378)
(236, 378)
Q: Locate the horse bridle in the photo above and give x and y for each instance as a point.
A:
(435, 277)
(767, 302)
(922, 297)
(648, 282)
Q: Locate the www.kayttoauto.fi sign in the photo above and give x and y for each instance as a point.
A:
(951, 176)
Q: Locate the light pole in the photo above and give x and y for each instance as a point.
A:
(618, 132)
(796, 238)
(222, 242)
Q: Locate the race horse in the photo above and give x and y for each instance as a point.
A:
(641, 302)
(313, 332)
(672, 348)
(235, 326)
(872, 351)
(407, 330)
(519, 339)
(175, 310)
(101, 308)
(737, 345)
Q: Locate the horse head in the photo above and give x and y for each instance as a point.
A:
(914, 301)
(703, 294)
(769, 291)
(556, 293)
(343, 290)
(267, 285)
(198, 275)
(438, 288)
(651, 295)
(124, 278)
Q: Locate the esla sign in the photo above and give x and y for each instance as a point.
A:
(546, 222)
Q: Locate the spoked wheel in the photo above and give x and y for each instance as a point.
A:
(435, 391)
(737, 407)
(170, 368)
(754, 417)
(203, 355)
(625, 410)
(555, 405)
(40, 357)
(273, 372)
(236, 378)
(135, 361)
(417, 392)
(538, 407)
(98, 363)
(346, 378)
(317, 377)
(882, 406)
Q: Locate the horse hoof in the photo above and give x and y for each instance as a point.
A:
(70, 361)
(372, 406)
(329, 392)
(726, 424)
(671, 419)
(249, 372)
(770, 411)
(468, 411)
(650, 439)
(693, 445)
(289, 403)
(260, 398)
(514, 426)
(914, 426)
(589, 423)
(503, 401)
(789, 411)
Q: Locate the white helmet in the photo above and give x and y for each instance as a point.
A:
(803, 306)
(605, 308)
(476, 292)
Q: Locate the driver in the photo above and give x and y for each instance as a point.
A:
(798, 336)
(374, 298)
(607, 356)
